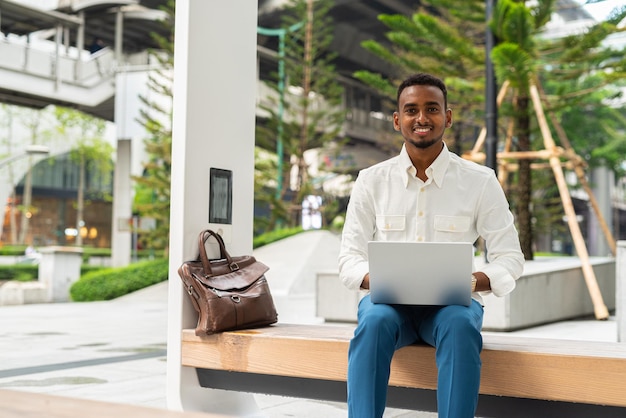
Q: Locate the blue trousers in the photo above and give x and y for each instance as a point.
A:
(453, 330)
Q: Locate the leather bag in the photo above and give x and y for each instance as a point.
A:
(228, 293)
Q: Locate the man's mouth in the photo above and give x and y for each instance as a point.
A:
(421, 129)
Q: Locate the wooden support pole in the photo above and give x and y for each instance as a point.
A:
(600, 309)
(580, 173)
(483, 132)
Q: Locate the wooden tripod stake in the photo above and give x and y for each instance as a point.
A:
(600, 309)
(552, 153)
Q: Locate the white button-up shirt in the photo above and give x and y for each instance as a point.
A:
(459, 202)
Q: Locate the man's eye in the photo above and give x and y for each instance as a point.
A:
(433, 109)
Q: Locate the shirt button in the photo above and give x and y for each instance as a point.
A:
(422, 190)
(420, 238)
(420, 213)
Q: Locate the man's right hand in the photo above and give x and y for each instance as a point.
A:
(365, 284)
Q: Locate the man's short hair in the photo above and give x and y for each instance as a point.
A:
(423, 79)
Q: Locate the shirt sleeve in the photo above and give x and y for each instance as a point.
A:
(495, 223)
(357, 231)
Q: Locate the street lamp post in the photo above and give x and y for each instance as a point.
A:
(491, 109)
(281, 33)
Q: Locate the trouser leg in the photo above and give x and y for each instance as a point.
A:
(381, 329)
(455, 332)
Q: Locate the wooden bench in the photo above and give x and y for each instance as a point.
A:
(520, 377)
(14, 404)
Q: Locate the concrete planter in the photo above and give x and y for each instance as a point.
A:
(550, 290)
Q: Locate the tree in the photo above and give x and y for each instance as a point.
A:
(312, 116)
(91, 152)
(444, 38)
(152, 198)
(8, 122)
(32, 120)
(523, 59)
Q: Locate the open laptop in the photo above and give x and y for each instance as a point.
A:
(420, 273)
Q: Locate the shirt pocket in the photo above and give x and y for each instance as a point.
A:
(451, 228)
(391, 227)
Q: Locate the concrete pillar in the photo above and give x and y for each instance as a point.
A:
(58, 270)
(121, 234)
(213, 127)
(129, 86)
(602, 180)
(620, 294)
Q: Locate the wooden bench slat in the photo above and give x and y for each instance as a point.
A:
(16, 404)
(570, 371)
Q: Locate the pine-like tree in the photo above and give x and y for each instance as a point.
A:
(152, 198)
(307, 112)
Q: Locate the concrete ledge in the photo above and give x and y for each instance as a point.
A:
(20, 293)
(552, 289)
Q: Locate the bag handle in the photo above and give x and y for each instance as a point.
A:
(206, 264)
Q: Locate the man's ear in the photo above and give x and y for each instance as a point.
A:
(396, 123)
(448, 118)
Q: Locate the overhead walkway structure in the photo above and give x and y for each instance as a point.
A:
(35, 73)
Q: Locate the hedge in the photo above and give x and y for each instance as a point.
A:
(110, 283)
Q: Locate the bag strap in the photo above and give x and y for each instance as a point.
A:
(206, 264)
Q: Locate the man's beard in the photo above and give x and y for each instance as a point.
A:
(424, 144)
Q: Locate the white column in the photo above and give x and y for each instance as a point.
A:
(620, 294)
(121, 234)
(214, 123)
(602, 180)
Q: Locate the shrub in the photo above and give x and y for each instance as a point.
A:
(110, 283)
(275, 235)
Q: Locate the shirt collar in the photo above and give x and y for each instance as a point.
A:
(436, 170)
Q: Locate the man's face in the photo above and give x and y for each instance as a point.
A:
(422, 117)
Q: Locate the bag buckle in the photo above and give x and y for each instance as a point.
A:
(234, 266)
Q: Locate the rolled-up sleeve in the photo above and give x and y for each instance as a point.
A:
(496, 225)
(357, 231)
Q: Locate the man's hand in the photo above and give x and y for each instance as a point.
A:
(365, 284)
(482, 282)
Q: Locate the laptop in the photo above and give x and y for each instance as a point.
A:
(420, 273)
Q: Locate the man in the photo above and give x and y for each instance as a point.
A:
(407, 198)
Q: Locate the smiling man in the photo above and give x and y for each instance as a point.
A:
(415, 196)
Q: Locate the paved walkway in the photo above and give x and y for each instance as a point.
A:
(115, 351)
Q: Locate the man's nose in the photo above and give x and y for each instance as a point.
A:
(421, 116)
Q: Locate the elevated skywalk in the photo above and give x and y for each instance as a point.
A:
(44, 59)
(35, 76)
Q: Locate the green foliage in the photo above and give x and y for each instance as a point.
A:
(20, 272)
(514, 64)
(310, 114)
(29, 272)
(445, 38)
(153, 188)
(111, 283)
(275, 235)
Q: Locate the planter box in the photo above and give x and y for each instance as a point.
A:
(552, 289)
